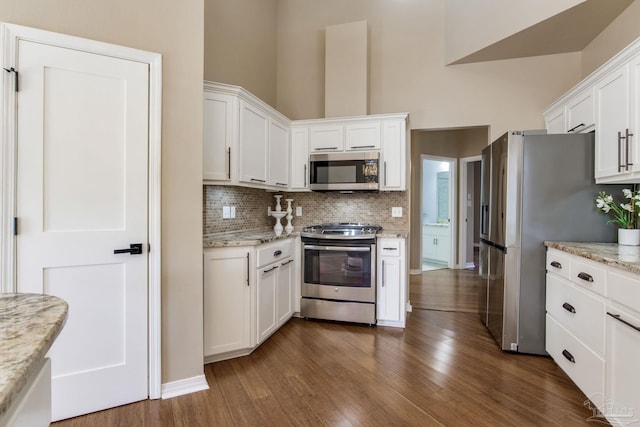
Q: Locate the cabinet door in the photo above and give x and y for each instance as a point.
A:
(555, 120)
(220, 121)
(389, 302)
(612, 117)
(266, 301)
(227, 300)
(634, 123)
(300, 158)
(326, 138)
(278, 154)
(394, 156)
(363, 136)
(254, 134)
(429, 245)
(580, 116)
(284, 293)
(443, 246)
(622, 377)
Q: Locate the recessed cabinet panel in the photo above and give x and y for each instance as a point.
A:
(580, 116)
(392, 282)
(278, 154)
(326, 138)
(555, 120)
(254, 137)
(363, 136)
(394, 149)
(219, 122)
(300, 158)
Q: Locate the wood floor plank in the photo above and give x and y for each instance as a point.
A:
(443, 369)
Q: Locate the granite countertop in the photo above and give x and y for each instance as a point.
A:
(258, 237)
(243, 238)
(619, 256)
(29, 323)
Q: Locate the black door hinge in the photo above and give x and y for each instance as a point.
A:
(15, 77)
(15, 226)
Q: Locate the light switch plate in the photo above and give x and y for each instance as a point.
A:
(298, 210)
(233, 211)
(396, 212)
(226, 212)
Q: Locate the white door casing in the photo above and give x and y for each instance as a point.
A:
(80, 186)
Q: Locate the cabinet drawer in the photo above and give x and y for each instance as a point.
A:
(578, 311)
(624, 290)
(585, 368)
(389, 247)
(559, 263)
(588, 275)
(275, 251)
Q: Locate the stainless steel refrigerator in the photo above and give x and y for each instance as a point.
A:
(534, 187)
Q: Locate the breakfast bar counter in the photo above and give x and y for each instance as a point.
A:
(612, 254)
(29, 324)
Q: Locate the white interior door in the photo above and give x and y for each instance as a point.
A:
(82, 193)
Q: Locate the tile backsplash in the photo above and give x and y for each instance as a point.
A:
(251, 208)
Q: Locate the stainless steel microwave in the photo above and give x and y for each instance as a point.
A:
(356, 171)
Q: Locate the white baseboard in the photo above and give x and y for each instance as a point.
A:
(408, 307)
(413, 272)
(185, 386)
(469, 265)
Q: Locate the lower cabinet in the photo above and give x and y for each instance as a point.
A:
(593, 332)
(435, 243)
(244, 305)
(275, 291)
(228, 306)
(392, 282)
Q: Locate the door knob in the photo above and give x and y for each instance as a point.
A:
(134, 249)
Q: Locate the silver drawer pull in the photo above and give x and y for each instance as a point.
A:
(271, 269)
(618, 317)
(556, 264)
(277, 253)
(585, 276)
(568, 307)
(568, 356)
(390, 249)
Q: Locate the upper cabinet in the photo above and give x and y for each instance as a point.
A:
(384, 133)
(246, 142)
(606, 102)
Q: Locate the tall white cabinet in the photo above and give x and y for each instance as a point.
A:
(392, 282)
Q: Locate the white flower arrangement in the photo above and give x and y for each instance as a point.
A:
(626, 215)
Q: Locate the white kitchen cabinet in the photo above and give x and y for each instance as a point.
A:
(32, 406)
(299, 159)
(622, 373)
(246, 142)
(228, 306)
(436, 243)
(326, 138)
(220, 140)
(254, 143)
(275, 292)
(394, 156)
(612, 122)
(364, 136)
(392, 282)
(580, 112)
(575, 306)
(278, 151)
(555, 119)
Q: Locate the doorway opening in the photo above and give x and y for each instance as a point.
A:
(437, 212)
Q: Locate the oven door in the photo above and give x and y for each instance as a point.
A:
(339, 270)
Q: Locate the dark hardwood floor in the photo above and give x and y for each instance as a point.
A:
(443, 369)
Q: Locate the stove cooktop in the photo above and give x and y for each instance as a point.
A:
(343, 230)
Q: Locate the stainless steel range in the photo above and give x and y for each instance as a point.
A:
(339, 272)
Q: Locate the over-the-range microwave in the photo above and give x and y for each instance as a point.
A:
(357, 171)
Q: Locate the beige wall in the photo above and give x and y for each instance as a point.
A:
(240, 45)
(447, 143)
(473, 25)
(174, 29)
(407, 71)
(622, 31)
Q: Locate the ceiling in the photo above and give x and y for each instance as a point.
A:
(569, 31)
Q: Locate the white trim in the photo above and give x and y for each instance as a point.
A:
(10, 34)
(184, 386)
(416, 271)
(462, 232)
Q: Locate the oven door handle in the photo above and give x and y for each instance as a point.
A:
(339, 248)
